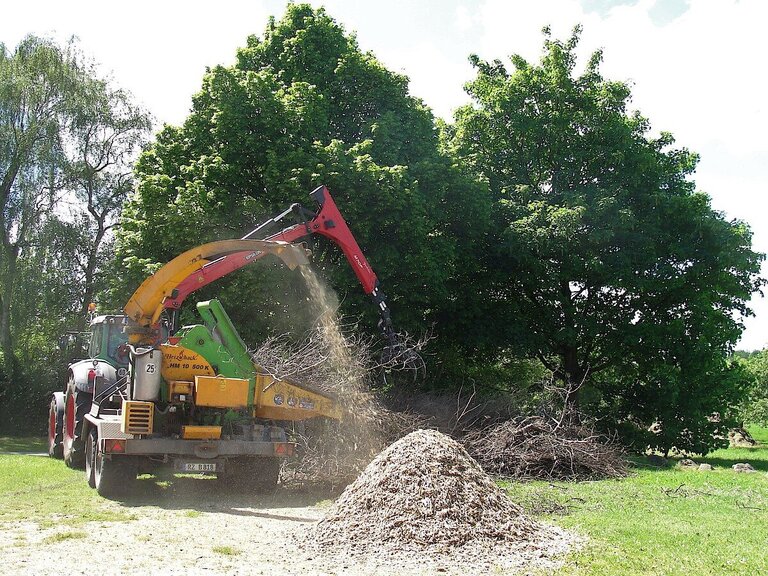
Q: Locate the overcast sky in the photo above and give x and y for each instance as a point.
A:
(697, 67)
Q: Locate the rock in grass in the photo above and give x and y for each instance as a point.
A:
(743, 467)
(686, 463)
(740, 438)
(656, 460)
(705, 467)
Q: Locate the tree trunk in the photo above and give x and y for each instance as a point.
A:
(573, 376)
(89, 272)
(6, 298)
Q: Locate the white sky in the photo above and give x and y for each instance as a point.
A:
(697, 67)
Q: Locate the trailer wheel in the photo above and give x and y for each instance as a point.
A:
(76, 406)
(257, 474)
(55, 425)
(91, 446)
(266, 473)
(112, 475)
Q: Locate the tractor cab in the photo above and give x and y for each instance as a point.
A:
(107, 339)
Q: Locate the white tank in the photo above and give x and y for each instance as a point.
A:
(145, 374)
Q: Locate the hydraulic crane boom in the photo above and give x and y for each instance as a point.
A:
(196, 268)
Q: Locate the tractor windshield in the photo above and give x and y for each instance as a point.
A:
(116, 338)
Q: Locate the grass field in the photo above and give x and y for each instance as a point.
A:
(11, 444)
(43, 490)
(656, 521)
(665, 521)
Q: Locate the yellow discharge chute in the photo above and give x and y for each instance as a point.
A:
(146, 304)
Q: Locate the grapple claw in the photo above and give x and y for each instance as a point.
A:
(399, 355)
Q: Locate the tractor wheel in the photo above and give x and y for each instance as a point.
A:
(253, 474)
(91, 447)
(112, 475)
(55, 425)
(76, 406)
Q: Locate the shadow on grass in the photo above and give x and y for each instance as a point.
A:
(756, 456)
(637, 462)
(24, 444)
(759, 462)
(205, 494)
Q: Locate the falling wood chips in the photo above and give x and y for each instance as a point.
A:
(425, 498)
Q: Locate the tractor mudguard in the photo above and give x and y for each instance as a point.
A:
(105, 373)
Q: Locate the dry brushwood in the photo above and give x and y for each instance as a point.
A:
(333, 361)
(456, 412)
(328, 450)
(334, 451)
(425, 495)
(538, 447)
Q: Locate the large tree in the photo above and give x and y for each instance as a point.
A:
(105, 137)
(67, 138)
(39, 89)
(605, 262)
(754, 407)
(304, 106)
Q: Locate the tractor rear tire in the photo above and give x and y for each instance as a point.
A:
(55, 426)
(112, 475)
(77, 404)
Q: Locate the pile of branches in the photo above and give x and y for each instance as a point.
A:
(537, 447)
(551, 445)
(340, 363)
(554, 444)
(336, 360)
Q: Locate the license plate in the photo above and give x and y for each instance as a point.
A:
(198, 467)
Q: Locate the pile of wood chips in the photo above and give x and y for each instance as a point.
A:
(425, 497)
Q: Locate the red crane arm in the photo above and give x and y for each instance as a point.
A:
(327, 222)
(330, 223)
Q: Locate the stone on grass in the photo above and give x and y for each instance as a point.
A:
(656, 460)
(740, 438)
(743, 467)
(705, 467)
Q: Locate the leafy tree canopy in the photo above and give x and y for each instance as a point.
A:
(304, 106)
(67, 141)
(605, 263)
(754, 405)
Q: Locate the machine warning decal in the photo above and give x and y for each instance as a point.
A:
(292, 401)
(306, 404)
(278, 399)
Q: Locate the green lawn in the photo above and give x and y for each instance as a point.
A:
(667, 521)
(24, 444)
(656, 521)
(43, 490)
